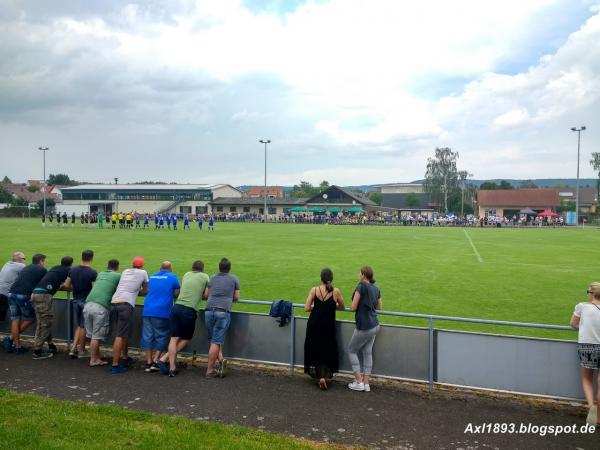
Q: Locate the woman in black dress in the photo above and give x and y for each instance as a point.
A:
(320, 345)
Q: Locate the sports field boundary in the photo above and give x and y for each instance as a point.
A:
(477, 255)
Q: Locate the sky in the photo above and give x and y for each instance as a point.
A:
(349, 91)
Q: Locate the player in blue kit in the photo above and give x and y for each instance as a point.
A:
(155, 221)
(186, 222)
(146, 220)
(174, 220)
(211, 223)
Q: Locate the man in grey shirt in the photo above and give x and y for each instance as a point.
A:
(8, 275)
(223, 290)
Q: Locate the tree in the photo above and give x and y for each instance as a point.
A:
(49, 203)
(61, 179)
(527, 184)
(33, 188)
(304, 189)
(441, 176)
(505, 185)
(413, 200)
(376, 197)
(6, 197)
(6, 180)
(488, 186)
(324, 185)
(595, 162)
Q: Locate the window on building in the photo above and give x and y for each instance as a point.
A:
(232, 209)
(261, 210)
(219, 209)
(185, 209)
(272, 210)
(246, 209)
(490, 212)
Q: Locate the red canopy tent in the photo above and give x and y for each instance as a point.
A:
(548, 213)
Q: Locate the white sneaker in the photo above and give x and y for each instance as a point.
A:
(356, 386)
(592, 415)
(367, 388)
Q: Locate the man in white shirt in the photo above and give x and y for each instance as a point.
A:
(8, 275)
(133, 282)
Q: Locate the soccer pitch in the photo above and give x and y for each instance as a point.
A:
(526, 275)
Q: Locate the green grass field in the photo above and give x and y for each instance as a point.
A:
(526, 275)
(28, 421)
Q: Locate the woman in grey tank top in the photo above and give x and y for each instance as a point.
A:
(365, 301)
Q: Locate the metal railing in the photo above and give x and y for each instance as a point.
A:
(431, 318)
(432, 363)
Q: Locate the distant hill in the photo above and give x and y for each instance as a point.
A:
(540, 182)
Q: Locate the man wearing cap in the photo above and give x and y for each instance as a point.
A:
(163, 287)
(133, 282)
(22, 314)
(8, 275)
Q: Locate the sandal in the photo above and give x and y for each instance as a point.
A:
(323, 384)
(98, 363)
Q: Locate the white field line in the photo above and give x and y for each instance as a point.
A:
(473, 246)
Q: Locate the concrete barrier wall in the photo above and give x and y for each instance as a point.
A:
(527, 365)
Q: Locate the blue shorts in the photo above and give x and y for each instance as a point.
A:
(217, 324)
(20, 307)
(156, 333)
(78, 306)
(183, 322)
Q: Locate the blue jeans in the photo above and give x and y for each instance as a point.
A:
(217, 324)
(20, 307)
(156, 333)
(78, 305)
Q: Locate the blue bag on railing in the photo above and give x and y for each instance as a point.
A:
(282, 310)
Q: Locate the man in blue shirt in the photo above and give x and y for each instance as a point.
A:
(174, 219)
(163, 288)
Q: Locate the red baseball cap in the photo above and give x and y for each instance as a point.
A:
(138, 262)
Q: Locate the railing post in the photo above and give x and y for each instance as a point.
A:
(292, 341)
(430, 352)
(69, 318)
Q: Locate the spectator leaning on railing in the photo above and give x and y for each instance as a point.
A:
(22, 314)
(8, 275)
(586, 318)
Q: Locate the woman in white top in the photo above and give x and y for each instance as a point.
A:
(587, 319)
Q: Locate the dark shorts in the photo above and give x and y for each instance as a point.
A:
(3, 306)
(78, 306)
(589, 356)
(121, 319)
(183, 322)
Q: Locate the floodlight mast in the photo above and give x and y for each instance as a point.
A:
(578, 130)
(265, 211)
(44, 150)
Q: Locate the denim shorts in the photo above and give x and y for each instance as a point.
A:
(78, 306)
(20, 307)
(156, 333)
(217, 324)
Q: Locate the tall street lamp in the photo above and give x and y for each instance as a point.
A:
(578, 130)
(44, 150)
(265, 211)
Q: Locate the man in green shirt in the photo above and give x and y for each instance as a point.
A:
(96, 312)
(194, 287)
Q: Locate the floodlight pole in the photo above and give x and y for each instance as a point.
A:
(578, 130)
(117, 195)
(44, 150)
(265, 211)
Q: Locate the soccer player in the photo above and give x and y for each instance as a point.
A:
(128, 220)
(200, 221)
(72, 219)
(113, 219)
(100, 219)
(41, 299)
(168, 221)
(137, 220)
(133, 282)
(146, 220)
(211, 223)
(161, 221)
(121, 220)
(155, 221)
(163, 287)
(82, 277)
(65, 219)
(174, 219)
(186, 222)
